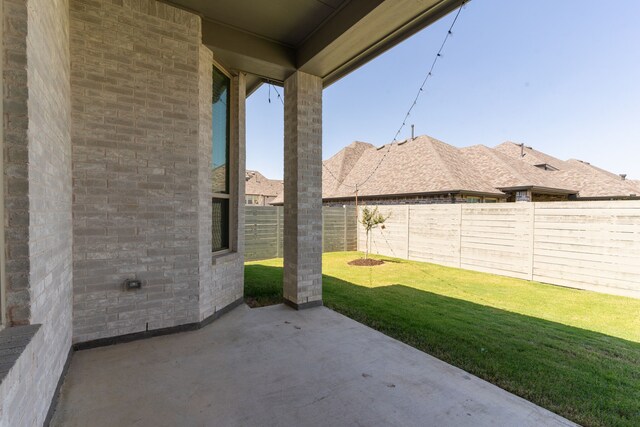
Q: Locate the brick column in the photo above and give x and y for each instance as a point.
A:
(303, 191)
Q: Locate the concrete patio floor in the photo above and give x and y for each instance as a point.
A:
(275, 366)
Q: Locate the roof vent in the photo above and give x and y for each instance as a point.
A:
(546, 167)
(623, 176)
(381, 147)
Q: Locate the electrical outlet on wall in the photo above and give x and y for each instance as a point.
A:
(132, 284)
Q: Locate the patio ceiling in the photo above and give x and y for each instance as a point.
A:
(327, 38)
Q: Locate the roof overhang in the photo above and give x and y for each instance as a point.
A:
(446, 193)
(539, 190)
(331, 45)
(600, 198)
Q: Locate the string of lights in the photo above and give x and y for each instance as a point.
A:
(271, 85)
(407, 115)
(415, 100)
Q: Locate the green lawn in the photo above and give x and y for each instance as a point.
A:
(573, 352)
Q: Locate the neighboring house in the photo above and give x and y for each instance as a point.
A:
(591, 182)
(520, 181)
(424, 170)
(261, 191)
(421, 170)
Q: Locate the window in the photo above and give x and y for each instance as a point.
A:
(522, 196)
(473, 199)
(252, 200)
(490, 200)
(220, 160)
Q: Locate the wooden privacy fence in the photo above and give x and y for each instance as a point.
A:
(264, 226)
(586, 245)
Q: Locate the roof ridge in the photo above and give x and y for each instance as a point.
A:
(493, 153)
(377, 152)
(445, 164)
(343, 172)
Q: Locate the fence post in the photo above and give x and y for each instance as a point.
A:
(278, 231)
(323, 239)
(460, 239)
(344, 246)
(408, 234)
(532, 245)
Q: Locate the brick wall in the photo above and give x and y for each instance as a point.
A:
(135, 88)
(101, 131)
(37, 201)
(207, 296)
(16, 157)
(302, 277)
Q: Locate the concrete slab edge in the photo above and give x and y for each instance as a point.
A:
(56, 394)
(303, 306)
(119, 339)
(128, 338)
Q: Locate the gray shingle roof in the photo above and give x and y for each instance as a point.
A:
(341, 164)
(421, 165)
(596, 169)
(504, 171)
(257, 184)
(531, 156)
(594, 182)
(426, 165)
(589, 180)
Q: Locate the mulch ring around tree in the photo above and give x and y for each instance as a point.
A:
(366, 262)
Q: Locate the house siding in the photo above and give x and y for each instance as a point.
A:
(302, 274)
(207, 295)
(37, 171)
(135, 86)
(16, 160)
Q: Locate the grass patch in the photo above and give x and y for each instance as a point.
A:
(576, 353)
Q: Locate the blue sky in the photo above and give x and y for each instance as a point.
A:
(560, 76)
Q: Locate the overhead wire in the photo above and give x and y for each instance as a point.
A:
(408, 113)
(415, 100)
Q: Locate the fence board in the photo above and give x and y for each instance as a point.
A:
(497, 238)
(434, 234)
(588, 245)
(264, 231)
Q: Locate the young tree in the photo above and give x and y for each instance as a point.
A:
(371, 218)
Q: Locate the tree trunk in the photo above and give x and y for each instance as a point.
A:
(366, 253)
